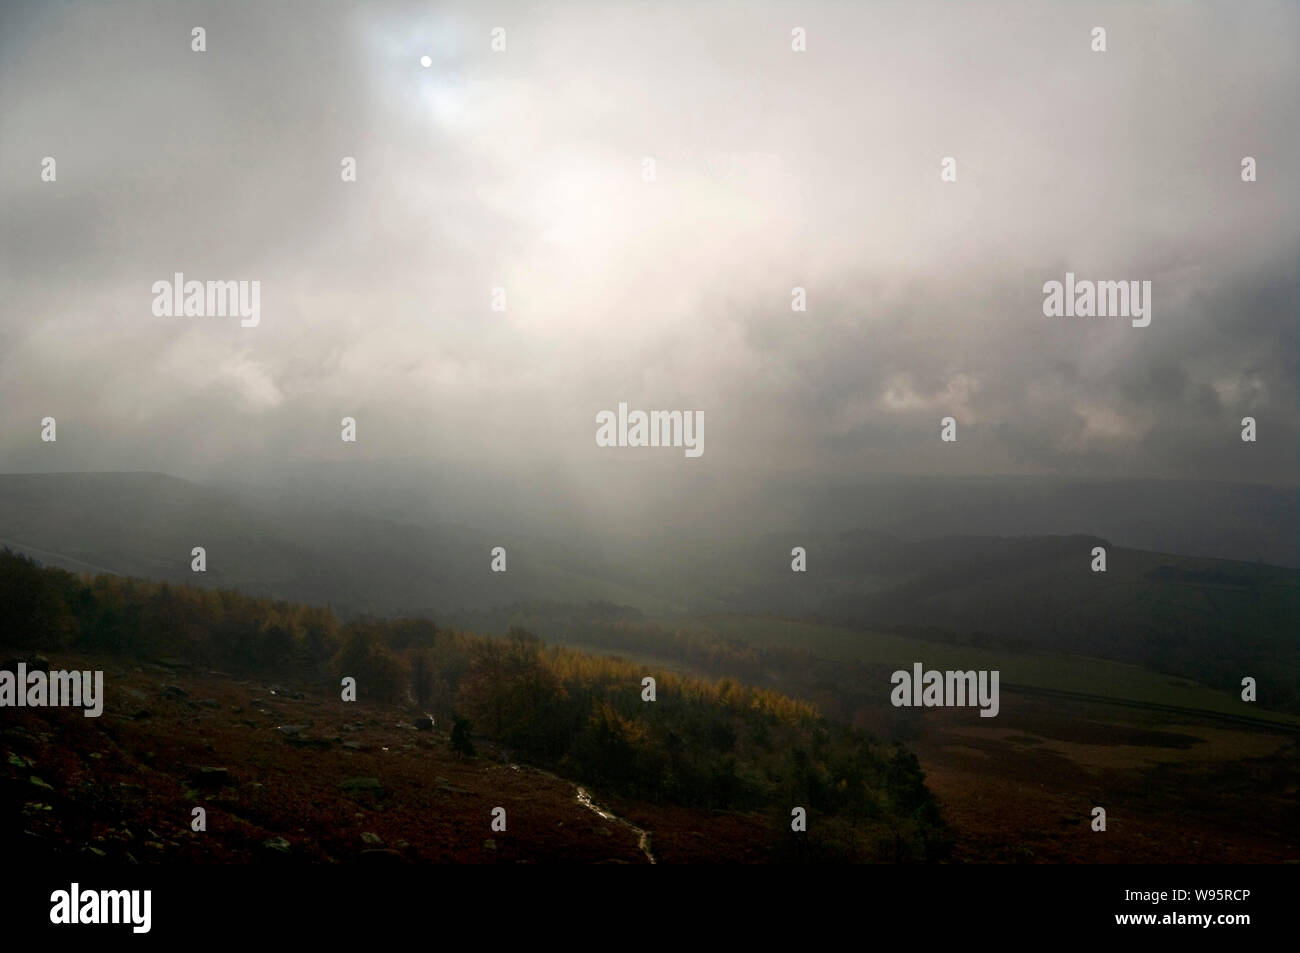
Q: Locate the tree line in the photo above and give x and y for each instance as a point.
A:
(715, 744)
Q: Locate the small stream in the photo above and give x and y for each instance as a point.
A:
(583, 798)
(643, 836)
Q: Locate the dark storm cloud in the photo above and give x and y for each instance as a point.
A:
(523, 170)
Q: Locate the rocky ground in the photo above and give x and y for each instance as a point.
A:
(290, 774)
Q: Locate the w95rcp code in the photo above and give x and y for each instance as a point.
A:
(1163, 896)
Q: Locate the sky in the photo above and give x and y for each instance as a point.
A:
(523, 169)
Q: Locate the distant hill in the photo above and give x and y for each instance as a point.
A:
(1214, 619)
(146, 524)
(1185, 517)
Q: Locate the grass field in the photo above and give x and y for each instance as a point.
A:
(1071, 673)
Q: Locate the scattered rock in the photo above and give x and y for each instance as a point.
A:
(174, 691)
(18, 761)
(142, 714)
(277, 844)
(290, 730)
(354, 746)
(209, 703)
(424, 723)
(41, 784)
(490, 844)
(371, 839)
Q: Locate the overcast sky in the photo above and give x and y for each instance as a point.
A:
(523, 169)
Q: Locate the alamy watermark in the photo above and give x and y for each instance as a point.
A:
(61, 689)
(656, 428)
(1101, 299)
(212, 299)
(103, 906)
(934, 689)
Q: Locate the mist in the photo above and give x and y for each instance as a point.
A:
(522, 170)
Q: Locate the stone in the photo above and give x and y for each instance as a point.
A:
(211, 777)
(303, 741)
(385, 855)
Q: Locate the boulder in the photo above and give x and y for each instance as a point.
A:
(210, 777)
(362, 786)
(383, 856)
(305, 741)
